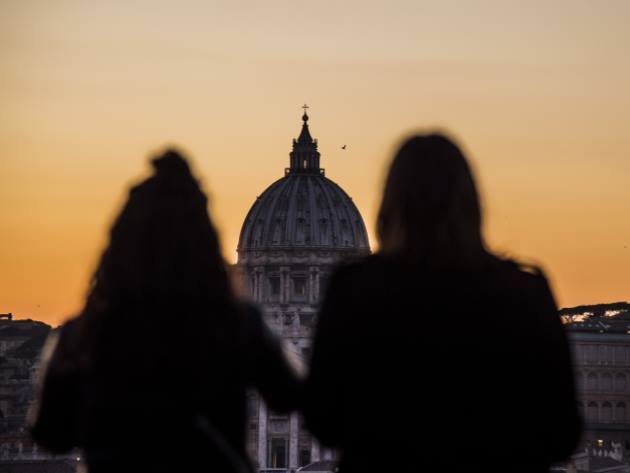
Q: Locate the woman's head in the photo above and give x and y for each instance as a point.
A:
(163, 248)
(430, 208)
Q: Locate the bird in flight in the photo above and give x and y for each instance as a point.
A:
(343, 147)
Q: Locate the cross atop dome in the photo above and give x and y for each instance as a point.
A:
(304, 158)
(305, 135)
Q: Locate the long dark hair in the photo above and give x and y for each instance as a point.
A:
(162, 269)
(430, 209)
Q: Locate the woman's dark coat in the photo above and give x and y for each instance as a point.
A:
(181, 407)
(453, 370)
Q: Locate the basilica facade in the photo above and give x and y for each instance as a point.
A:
(296, 231)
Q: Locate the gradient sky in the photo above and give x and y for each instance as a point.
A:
(537, 93)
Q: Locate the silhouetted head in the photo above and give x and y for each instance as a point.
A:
(163, 263)
(430, 209)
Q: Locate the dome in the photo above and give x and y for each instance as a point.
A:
(304, 209)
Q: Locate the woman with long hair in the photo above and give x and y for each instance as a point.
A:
(152, 375)
(435, 354)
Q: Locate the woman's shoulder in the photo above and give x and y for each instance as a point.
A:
(518, 268)
(250, 320)
(517, 275)
(246, 308)
(500, 273)
(65, 337)
(356, 271)
(368, 264)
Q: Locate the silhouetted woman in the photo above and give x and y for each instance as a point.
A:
(152, 375)
(435, 354)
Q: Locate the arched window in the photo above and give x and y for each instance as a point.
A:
(592, 414)
(621, 383)
(606, 382)
(591, 382)
(278, 453)
(299, 288)
(621, 412)
(274, 288)
(606, 412)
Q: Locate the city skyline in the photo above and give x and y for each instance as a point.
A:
(536, 94)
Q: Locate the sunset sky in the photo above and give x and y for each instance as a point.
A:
(536, 92)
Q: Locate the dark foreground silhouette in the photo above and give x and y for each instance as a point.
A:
(152, 375)
(435, 354)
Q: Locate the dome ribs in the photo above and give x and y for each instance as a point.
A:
(291, 217)
(314, 232)
(304, 211)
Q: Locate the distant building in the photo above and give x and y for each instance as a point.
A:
(20, 344)
(296, 231)
(600, 341)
